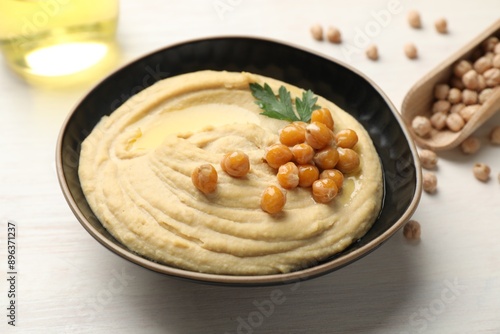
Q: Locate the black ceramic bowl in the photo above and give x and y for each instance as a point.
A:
(338, 83)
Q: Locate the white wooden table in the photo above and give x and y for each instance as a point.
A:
(68, 283)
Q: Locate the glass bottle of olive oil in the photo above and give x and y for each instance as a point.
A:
(56, 38)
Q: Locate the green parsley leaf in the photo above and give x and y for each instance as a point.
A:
(281, 106)
(306, 106)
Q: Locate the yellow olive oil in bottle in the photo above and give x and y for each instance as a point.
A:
(56, 38)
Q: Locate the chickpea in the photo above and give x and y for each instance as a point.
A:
(236, 164)
(414, 19)
(485, 95)
(292, 135)
(288, 175)
(496, 60)
(469, 97)
(469, 111)
(470, 145)
(441, 25)
(307, 175)
(455, 122)
(438, 120)
(495, 135)
(462, 67)
(335, 175)
(333, 35)
(372, 52)
(348, 160)
(481, 171)
(481, 82)
(428, 159)
(456, 108)
(410, 51)
(272, 200)
(204, 178)
(327, 158)
(324, 190)
(454, 96)
(441, 91)
(302, 153)
(318, 135)
(421, 125)
(317, 32)
(412, 230)
(346, 138)
(470, 80)
(324, 116)
(441, 106)
(489, 44)
(277, 155)
(496, 50)
(483, 64)
(429, 182)
(492, 77)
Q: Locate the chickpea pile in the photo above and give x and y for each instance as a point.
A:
(472, 83)
(308, 155)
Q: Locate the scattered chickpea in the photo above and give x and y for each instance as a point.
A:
(429, 182)
(412, 230)
(454, 96)
(204, 178)
(302, 153)
(372, 52)
(492, 77)
(236, 164)
(441, 25)
(462, 67)
(469, 97)
(317, 32)
(438, 120)
(467, 112)
(411, 51)
(495, 135)
(481, 82)
(327, 158)
(414, 19)
(428, 159)
(333, 35)
(292, 135)
(307, 175)
(470, 80)
(470, 145)
(272, 200)
(421, 125)
(441, 91)
(481, 171)
(441, 106)
(455, 122)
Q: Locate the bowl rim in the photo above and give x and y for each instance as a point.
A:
(242, 280)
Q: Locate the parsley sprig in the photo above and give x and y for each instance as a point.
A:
(281, 106)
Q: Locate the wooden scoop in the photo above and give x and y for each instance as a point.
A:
(420, 98)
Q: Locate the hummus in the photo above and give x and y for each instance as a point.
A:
(135, 171)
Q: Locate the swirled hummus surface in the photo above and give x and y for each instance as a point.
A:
(135, 171)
